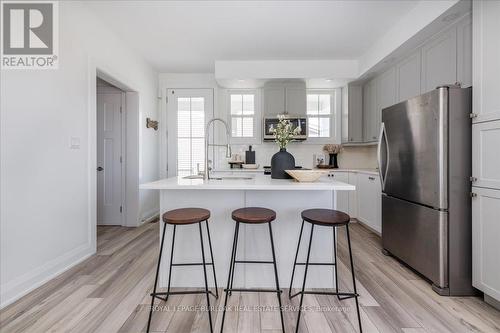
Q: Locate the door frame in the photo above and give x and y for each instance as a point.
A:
(123, 150)
(168, 134)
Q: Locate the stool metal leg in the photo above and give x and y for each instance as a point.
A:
(205, 276)
(170, 264)
(353, 277)
(213, 262)
(335, 261)
(156, 277)
(276, 277)
(305, 277)
(295, 261)
(234, 261)
(231, 267)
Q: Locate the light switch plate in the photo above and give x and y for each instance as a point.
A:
(74, 142)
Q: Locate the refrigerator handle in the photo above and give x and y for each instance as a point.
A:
(382, 174)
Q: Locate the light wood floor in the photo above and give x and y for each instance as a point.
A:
(109, 293)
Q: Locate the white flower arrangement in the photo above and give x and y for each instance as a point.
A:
(284, 132)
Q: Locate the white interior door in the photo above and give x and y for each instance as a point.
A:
(188, 112)
(109, 150)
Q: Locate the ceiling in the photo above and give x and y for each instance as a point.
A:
(188, 36)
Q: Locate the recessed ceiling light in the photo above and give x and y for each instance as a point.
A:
(241, 80)
(328, 80)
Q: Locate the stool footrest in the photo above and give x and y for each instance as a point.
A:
(317, 263)
(252, 262)
(194, 264)
(183, 292)
(253, 290)
(310, 292)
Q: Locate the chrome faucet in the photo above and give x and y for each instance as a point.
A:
(208, 144)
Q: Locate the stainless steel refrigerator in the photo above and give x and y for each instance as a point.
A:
(424, 156)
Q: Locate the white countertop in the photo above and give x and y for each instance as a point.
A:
(258, 182)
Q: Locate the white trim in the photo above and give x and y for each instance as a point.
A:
(150, 215)
(335, 118)
(257, 116)
(22, 285)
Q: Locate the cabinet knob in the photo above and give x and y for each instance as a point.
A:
(371, 178)
(473, 195)
(473, 179)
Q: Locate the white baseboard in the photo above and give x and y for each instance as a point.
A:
(22, 285)
(149, 216)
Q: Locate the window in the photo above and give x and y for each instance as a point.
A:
(190, 134)
(319, 114)
(242, 115)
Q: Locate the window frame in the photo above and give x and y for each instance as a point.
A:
(257, 123)
(335, 116)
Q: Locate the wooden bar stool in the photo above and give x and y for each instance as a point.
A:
(179, 217)
(252, 215)
(327, 218)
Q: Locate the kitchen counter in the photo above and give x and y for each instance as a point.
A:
(257, 182)
(221, 197)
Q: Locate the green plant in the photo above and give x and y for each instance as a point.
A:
(284, 131)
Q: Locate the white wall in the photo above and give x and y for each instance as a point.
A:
(47, 210)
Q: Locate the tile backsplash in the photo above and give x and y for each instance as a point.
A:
(350, 157)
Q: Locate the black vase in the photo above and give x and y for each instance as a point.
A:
(280, 162)
(333, 161)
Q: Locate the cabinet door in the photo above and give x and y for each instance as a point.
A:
(485, 241)
(355, 114)
(386, 92)
(369, 201)
(408, 77)
(486, 66)
(274, 101)
(353, 195)
(439, 61)
(485, 154)
(464, 52)
(296, 101)
(369, 112)
(342, 196)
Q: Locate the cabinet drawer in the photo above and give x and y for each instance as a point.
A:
(485, 154)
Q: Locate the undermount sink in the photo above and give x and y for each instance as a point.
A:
(193, 177)
(220, 177)
(232, 178)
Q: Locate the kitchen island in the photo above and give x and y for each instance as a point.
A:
(221, 197)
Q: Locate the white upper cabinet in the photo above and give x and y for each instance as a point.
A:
(386, 96)
(485, 154)
(352, 114)
(285, 97)
(485, 236)
(370, 118)
(295, 100)
(408, 77)
(486, 60)
(439, 61)
(464, 52)
(274, 100)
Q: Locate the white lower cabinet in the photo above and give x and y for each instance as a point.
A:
(369, 201)
(365, 203)
(485, 241)
(342, 196)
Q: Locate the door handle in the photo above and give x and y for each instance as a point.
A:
(100, 168)
(379, 155)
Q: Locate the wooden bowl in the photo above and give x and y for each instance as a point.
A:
(307, 176)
